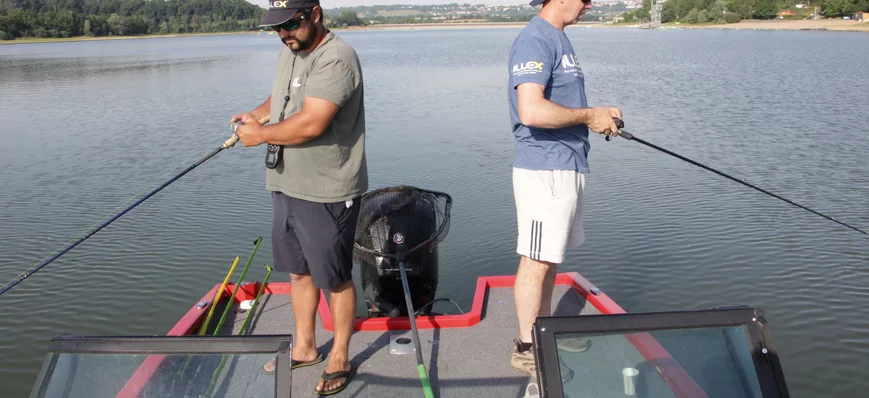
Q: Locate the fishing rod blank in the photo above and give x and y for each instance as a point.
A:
(226, 145)
(630, 137)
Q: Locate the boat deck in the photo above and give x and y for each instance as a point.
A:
(461, 361)
(465, 355)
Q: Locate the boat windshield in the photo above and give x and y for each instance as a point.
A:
(161, 366)
(710, 353)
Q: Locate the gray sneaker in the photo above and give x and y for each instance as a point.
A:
(524, 361)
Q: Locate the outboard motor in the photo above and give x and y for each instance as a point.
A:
(400, 224)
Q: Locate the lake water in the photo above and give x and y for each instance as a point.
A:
(87, 125)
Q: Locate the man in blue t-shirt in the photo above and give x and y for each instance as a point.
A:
(551, 120)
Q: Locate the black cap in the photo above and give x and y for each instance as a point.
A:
(281, 11)
(535, 2)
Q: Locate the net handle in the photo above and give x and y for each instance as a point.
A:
(448, 204)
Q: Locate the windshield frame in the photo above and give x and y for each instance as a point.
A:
(280, 345)
(763, 353)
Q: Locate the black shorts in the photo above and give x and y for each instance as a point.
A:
(314, 238)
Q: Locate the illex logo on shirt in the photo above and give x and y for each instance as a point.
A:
(528, 68)
(568, 64)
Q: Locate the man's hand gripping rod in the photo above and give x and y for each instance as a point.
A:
(232, 140)
(624, 134)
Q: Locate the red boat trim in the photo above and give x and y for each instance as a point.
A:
(602, 302)
(679, 381)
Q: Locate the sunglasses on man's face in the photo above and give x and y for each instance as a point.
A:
(586, 2)
(290, 25)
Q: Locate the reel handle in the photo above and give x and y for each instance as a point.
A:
(620, 124)
(234, 126)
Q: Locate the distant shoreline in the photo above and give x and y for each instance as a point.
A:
(839, 25)
(420, 26)
(30, 40)
(794, 25)
(807, 24)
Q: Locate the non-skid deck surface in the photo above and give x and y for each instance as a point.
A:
(462, 362)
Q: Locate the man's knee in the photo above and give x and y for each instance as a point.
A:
(537, 264)
(341, 287)
(297, 278)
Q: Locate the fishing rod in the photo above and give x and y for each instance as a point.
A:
(226, 145)
(630, 137)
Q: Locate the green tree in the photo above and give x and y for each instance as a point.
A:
(63, 18)
(348, 18)
(693, 16)
(5, 6)
(765, 9)
(739, 7)
(117, 26)
(668, 12)
(643, 13)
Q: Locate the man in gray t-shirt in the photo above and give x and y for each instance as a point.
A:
(316, 171)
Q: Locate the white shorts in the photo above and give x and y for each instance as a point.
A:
(549, 212)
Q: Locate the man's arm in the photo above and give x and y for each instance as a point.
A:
(304, 126)
(537, 111)
(327, 89)
(299, 128)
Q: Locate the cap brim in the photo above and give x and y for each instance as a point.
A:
(535, 2)
(277, 17)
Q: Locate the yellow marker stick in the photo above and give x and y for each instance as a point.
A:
(217, 298)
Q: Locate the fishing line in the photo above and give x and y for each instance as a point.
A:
(630, 137)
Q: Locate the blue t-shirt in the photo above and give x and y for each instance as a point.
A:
(542, 54)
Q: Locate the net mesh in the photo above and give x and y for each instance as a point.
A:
(401, 217)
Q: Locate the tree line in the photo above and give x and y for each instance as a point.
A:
(731, 11)
(69, 18)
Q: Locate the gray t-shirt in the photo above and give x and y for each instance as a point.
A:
(332, 167)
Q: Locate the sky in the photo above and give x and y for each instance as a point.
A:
(350, 3)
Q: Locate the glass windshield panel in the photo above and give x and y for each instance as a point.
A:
(113, 375)
(658, 363)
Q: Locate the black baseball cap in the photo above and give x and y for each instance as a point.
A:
(281, 11)
(535, 2)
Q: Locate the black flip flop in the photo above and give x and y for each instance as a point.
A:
(346, 374)
(301, 364)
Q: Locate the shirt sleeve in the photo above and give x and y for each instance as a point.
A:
(531, 62)
(334, 81)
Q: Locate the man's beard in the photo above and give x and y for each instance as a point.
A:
(305, 45)
(300, 45)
